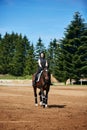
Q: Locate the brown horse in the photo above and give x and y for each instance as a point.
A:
(42, 84)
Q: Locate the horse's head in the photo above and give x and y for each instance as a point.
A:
(46, 75)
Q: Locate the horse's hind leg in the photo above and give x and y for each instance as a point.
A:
(35, 95)
(46, 98)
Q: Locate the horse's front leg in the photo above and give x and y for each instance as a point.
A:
(43, 97)
(35, 96)
(40, 96)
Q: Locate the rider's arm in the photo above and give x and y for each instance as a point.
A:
(39, 63)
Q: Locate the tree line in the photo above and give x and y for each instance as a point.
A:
(67, 57)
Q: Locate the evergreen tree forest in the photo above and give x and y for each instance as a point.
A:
(67, 56)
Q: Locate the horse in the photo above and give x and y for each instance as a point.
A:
(44, 85)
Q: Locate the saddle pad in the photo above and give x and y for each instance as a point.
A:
(38, 76)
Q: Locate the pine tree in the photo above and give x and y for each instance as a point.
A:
(71, 46)
(30, 62)
(5, 54)
(82, 52)
(18, 61)
(51, 54)
(1, 55)
(16, 55)
(58, 63)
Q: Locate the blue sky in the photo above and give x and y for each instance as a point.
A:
(39, 18)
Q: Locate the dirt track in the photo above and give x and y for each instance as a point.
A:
(67, 109)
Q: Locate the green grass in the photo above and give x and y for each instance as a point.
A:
(8, 76)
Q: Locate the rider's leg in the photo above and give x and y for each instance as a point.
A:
(39, 70)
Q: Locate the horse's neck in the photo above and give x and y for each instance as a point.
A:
(42, 77)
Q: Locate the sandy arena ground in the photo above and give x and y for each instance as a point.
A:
(67, 109)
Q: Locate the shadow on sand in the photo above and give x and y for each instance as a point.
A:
(56, 106)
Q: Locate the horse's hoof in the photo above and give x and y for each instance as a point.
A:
(46, 105)
(36, 105)
(40, 103)
(43, 106)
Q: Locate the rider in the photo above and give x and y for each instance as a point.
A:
(42, 63)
